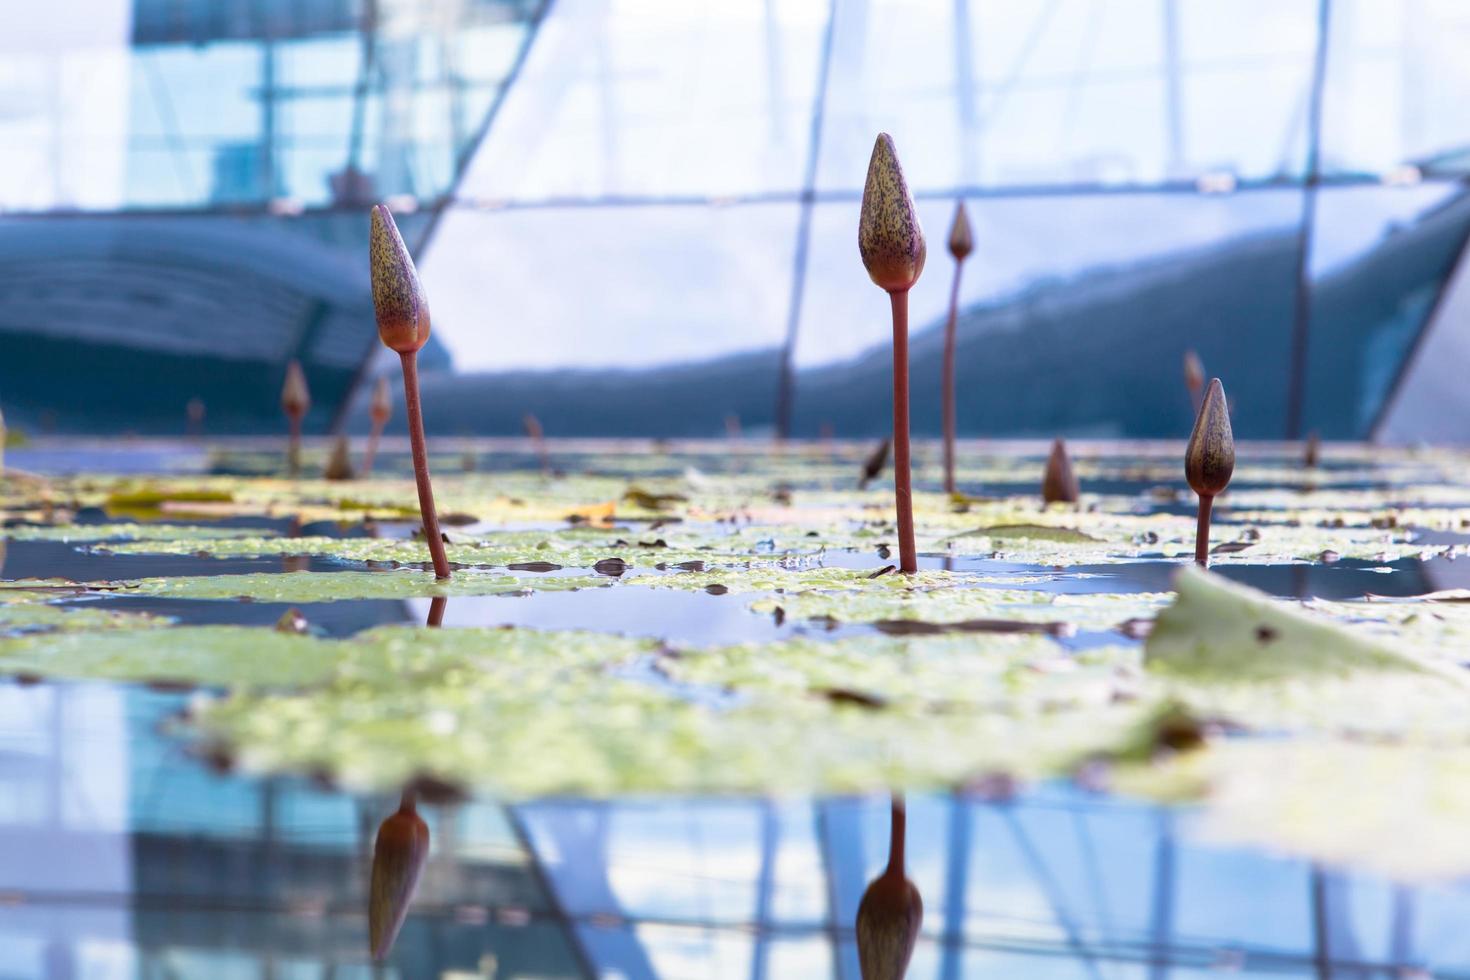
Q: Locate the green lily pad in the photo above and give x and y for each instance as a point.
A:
(1033, 532)
(175, 536)
(1221, 631)
(308, 587)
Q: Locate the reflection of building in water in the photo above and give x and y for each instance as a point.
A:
(119, 856)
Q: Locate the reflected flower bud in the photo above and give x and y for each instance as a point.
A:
(399, 856)
(888, 922)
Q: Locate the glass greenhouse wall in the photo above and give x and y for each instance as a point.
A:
(664, 213)
(639, 216)
(184, 186)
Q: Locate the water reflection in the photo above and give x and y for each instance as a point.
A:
(399, 856)
(892, 912)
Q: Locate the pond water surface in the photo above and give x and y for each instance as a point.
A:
(121, 855)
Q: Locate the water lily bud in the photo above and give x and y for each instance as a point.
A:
(292, 621)
(888, 922)
(532, 425)
(398, 298)
(339, 464)
(1210, 457)
(399, 857)
(1194, 371)
(1059, 485)
(961, 239)
(889, 236)
(381, 408)
(295, 396)
(1312, 454)
(874, 464)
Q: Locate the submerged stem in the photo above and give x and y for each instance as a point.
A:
(903, 497)
(421, 463)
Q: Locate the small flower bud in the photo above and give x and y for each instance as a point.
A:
(381, 408)
(1059, 485)
(295, 396)
(339, 464)
(1194, 372)
(398, 297)
(889, 236)
(1210, 457)
(961, 239)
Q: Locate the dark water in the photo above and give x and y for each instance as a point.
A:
(123, 857)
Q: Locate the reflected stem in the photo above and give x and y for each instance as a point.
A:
(897, 835)
(436, 610)
(432, 533)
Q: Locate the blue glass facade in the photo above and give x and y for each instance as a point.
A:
(657, 200)
(184, 206)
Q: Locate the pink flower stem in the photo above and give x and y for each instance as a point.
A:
(432, 534)
(908, 561)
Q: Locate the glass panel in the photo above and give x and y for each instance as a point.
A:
(148, 312)
(658, 99)
(1246, 85)
(1096, 296)
(1068, 92)
(1379, 258)
(1397, 83)
(610, 287)
(1244, 901)
(236, 105)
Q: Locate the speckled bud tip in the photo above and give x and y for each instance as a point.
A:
(1210, 458)
(961, 239)
(381, 408)
(295, 397)
(398, 298)
(889, 236)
